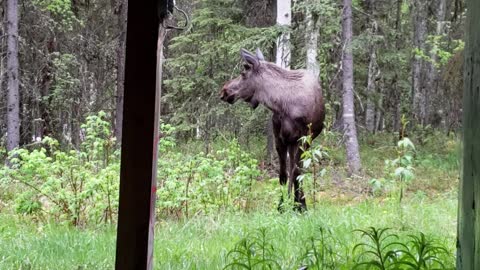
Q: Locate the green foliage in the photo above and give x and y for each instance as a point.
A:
(378, 251)
(384, 250)
(81, 186)
(421, 252)
(399, 170)
(75, 186)
(203, 242)
(311, 159)
(439, 46)
(320, 253)
(61, 11)
(205, 182)
(66, 83)
(253, 252)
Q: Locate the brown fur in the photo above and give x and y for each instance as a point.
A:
(294, 97)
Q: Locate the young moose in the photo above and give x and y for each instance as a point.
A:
(294, 97)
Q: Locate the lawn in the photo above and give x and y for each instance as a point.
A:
(203, 242)
(212, 238)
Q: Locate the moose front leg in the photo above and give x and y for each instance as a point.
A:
(281, 148)
(282, 175)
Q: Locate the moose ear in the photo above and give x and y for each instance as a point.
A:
(249, 58)
(259, 54)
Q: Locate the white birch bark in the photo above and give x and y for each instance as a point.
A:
(13, 99)
(284, 18)
(311, 38)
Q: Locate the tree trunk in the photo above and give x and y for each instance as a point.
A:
(395, 94)
(311, 38)
(45, 123)
(351, 142)
(418, 69)
(162, 32)
(379, 120)
(432, 76)
(284, 15)
(121, 10)
(13, 100)
(468, 242)
(371, 82)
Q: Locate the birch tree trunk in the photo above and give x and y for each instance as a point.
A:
(284, 15)
(351, 142)
(418, 84)
(468, 242)
(13, 99)
(311, 38)
(121, 11)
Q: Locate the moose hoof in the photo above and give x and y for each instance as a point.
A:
(280, 206)
(300, 207)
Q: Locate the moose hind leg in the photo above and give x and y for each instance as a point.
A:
(295, 154)
(282, 157)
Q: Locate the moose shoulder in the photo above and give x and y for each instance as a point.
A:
(294, 97)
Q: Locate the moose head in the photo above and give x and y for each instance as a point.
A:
(245, 86)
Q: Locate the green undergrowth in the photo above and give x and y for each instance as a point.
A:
(27, 245)
(204, 242)
(217, 205)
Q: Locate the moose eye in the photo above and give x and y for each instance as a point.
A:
(247, 66)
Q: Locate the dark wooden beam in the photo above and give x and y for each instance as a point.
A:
(136, 216)
(468, 239)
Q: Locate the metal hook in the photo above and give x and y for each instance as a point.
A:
(187, 21)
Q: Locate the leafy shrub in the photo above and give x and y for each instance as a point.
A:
(81, 186)
(204, 183)
(311, 158)
(384, 250)
(320, 253)
(253, 252)
(72, 186)
(399, 171)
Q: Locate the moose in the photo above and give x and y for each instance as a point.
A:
(294, 97)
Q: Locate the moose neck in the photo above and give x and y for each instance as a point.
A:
(276, 88)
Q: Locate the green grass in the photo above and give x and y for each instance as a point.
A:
(203, 242)
(26, 245)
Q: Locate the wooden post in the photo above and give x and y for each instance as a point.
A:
(136, 216)
(468, 243)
